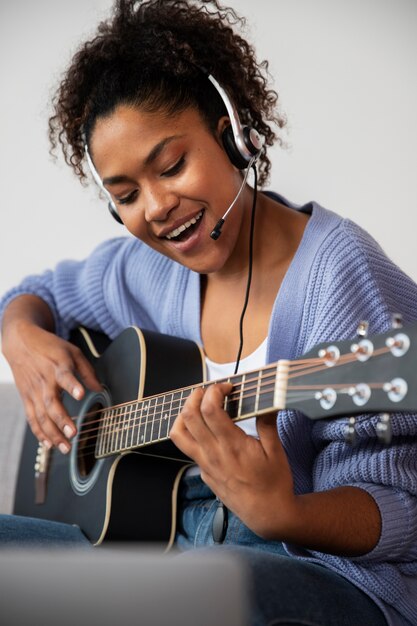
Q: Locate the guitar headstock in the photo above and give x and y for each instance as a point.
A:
(366, 375)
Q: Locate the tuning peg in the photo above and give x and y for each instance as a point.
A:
(397, 320)
(362, 329)
(350, 431)
(384, 429)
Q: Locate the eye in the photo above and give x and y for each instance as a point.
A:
(175, 168)
(131, 197)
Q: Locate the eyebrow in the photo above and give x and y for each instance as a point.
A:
(152, 156)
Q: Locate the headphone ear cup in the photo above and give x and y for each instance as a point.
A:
(232, 150)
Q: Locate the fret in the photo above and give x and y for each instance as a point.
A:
(141, 424)
(166, 414)
(108, 431)
(154, 420)
(124, 421)
(149, 423)
(114, 430)
(162, 416)
(249, 395)
(120, 428)
(129, 426)
(126, 426)
(100, 434)
(117, 430)
(144, 427)
(258, 391)
(178, 404)
(231, 405)
(136, 419)
(242, 387)
(266, 396)
(157, 417)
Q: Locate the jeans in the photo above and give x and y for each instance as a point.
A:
(283, 590)
(20, 532)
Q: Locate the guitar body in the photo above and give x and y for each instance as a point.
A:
(129, 496)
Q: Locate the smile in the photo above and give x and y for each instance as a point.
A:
(177, 231)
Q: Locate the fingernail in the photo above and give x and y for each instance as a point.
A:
(47, 444)
(64, 448)
(77, 392)
(68, 431)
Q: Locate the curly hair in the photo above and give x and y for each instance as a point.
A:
(148, 55)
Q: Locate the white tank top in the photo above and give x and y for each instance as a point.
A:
(254, 361)
(216, 371)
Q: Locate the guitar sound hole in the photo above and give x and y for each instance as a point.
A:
(87, 438)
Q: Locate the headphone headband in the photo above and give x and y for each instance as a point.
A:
(238, 131)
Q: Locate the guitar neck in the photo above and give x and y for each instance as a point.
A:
(144, 422)
(346, 378)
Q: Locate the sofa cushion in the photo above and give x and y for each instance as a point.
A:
(12, 427)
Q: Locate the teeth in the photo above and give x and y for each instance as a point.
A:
(180, 229)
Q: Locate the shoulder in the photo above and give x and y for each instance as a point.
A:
(352, 279)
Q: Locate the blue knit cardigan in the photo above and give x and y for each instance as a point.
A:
(338, 276)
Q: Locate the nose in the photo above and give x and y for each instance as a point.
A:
(159, 202)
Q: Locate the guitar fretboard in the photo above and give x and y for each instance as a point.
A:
(144, 422)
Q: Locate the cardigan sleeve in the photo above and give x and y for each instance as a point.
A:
(76, 290)
(351, 281)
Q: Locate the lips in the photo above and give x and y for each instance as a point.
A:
(183, 227)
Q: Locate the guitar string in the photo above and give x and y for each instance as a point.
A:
(136, 417)
(295, 396)
(115, 419)
(87, 449)
(153, 416)
(126, 431)
(120, 432)
(236, 392)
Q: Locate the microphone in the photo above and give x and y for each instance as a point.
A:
(217, 230)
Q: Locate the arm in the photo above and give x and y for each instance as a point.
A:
(43, 365)
(253, 478)
(97, 293)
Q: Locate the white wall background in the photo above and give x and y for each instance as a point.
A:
(346, 74)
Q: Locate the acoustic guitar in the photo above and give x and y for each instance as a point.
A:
(120, 481)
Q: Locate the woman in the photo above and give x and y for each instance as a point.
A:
(321, 523)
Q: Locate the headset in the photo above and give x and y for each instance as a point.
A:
(242, 144)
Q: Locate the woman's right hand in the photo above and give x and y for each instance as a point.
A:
(43, 365)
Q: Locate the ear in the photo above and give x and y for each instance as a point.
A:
(222, 124)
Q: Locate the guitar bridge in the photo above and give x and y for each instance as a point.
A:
(41, 471)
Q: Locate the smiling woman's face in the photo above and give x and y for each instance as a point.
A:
(171, 181)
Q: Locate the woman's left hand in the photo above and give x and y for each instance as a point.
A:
(251, 476)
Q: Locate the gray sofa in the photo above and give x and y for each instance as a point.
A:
(12, 427)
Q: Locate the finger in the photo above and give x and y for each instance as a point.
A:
(266, 426)
(86, 371)
(48, 426)
(57, 413)
(33, 423)
(67, 381)
(183, 439)
(213, 411)
(193, 419)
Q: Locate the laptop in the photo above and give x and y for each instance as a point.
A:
(123, 586)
